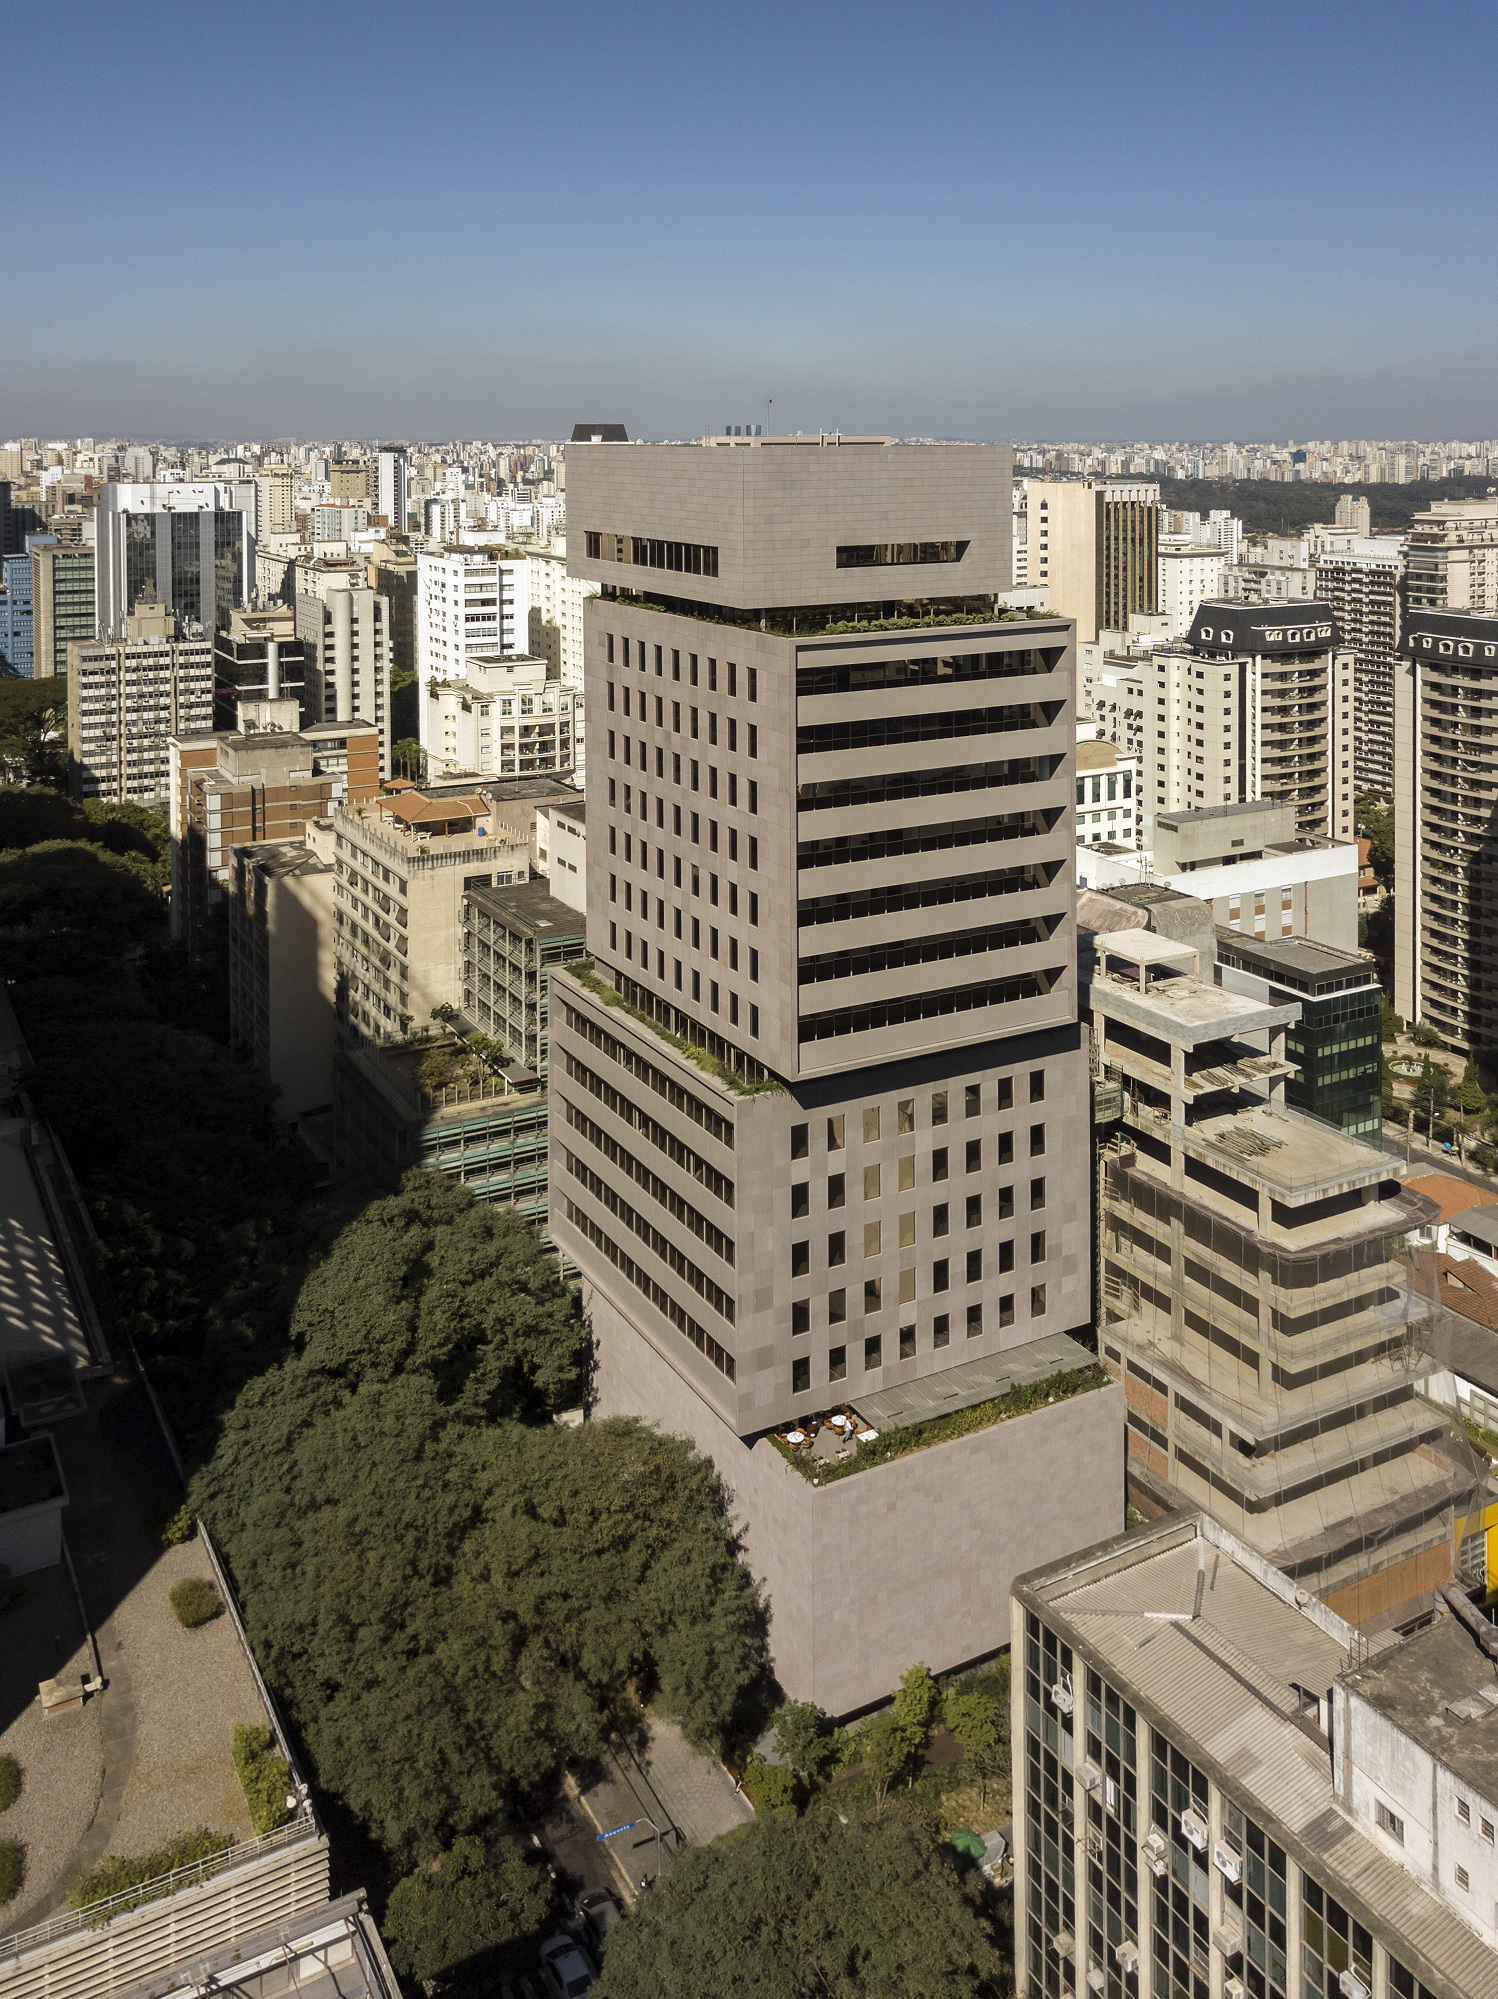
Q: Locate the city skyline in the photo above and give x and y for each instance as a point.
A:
(991, 224)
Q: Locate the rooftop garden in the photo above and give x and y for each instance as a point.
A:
(762, 1085)
(878, 1447)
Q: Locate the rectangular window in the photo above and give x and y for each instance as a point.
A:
(975, 1266)
(907, 1172)
(1463, 1811)
(837, 1307)
(975, 1211)
(801, 1316)
(801, 1375)
(873, 1238)
(1037, 1193)
(1006, 1093)
(753, 734)
(905, 1114)
(1463, 1878)
(1389, 1822)
(907, 1231)
(800, 1141)
(835, 1134)
(873, 1350)
(800, 1259)
(907, 1342)
(1006, 1255)
(873, 1295)
(751, 676)
(1037, 1301)
(941, 1329)
(972, 1100)
(1006, 1147)
(1037, 1140)
(898, 554)
(941, 1275)
(974, 1321)
(938, 1106)
(871, 1183)
(939, 1163)
(837, 1363)
(940, 1218)
(800, 1199)
(837, 1247)
(907, 1287)
(837, 1190)
(1006, 1309)
(871, 1124)
(1037, 1246)
(975, 1155)
(1037, 1086)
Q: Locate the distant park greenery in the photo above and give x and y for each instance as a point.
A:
(455, 1598)
(1275, 506)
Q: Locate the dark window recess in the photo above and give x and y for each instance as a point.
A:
(975, 1266)
(1006, 1256)
(907, 1342)
(881, 731)
(837, 1363)
(927, 1006)
(692, 558)
(975, 1211)
(974, 1155)
(837, 1189)
(940, 1219)
(800, 1199)
(1037, 1193)
(837, 1247)
(800, 1259)
(926, 950)
(897, 554)
(925, 895)
(848, 849)
(1037, 1140)
(941, 1274)
(826, 794)
(801, 1316)
(939, 670)
(801, 1375)
(941, 1329)
(800, 1136)
(873, 1350)
(939, 1163)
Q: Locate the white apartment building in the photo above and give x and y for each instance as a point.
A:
(1249, 582)
(1189, 574)
(127, 698)
(1107, 792)
(345, 629)
(275, 501)
(470, 602)
(390, 487)
(502, 717)
(1361, 584)
(1452, 563)
(556, 615)
(561, 844)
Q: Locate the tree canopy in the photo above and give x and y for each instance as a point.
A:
(810, 1908)
(440, 1583)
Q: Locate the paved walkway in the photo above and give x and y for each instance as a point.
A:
(668, 1795)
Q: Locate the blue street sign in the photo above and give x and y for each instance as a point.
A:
(614, 1829)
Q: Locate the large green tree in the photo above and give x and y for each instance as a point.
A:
(810, 1908)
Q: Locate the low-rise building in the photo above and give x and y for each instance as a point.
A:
(266, 780)
(1261, 877)
(1107, 801)
(1338, 1041)
(129, 698)
(1220, 1788)
(561, 846)
(502, 717)
(512, 940)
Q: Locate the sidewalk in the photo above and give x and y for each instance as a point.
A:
(1423, 1154)
(668, 1795)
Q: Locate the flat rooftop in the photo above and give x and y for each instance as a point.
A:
(1184, 1010)
(1432, 1687)
(1304, 959)
(971, 1382)
(1210, 1643)
(530, 909)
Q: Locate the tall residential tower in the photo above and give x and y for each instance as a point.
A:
(821, 1102)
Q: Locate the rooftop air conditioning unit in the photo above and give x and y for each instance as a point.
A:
(1064, 1943)
(1195, 1829)
(1351, 1986)
(1091, 1776)
(1227, 1862)
(1127, 1955)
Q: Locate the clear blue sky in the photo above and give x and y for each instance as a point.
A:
(1080, 218)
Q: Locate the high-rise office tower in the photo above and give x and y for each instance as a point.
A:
(127, 698)
(1452, 557)
(62, 589)
(17, 620)
(1445, 780)
(1095, 542)
(390, 486)
(187, 546)
(1361, 585)
(821, 1102)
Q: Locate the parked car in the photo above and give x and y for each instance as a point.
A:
(599, 1911)
(567, 1968)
